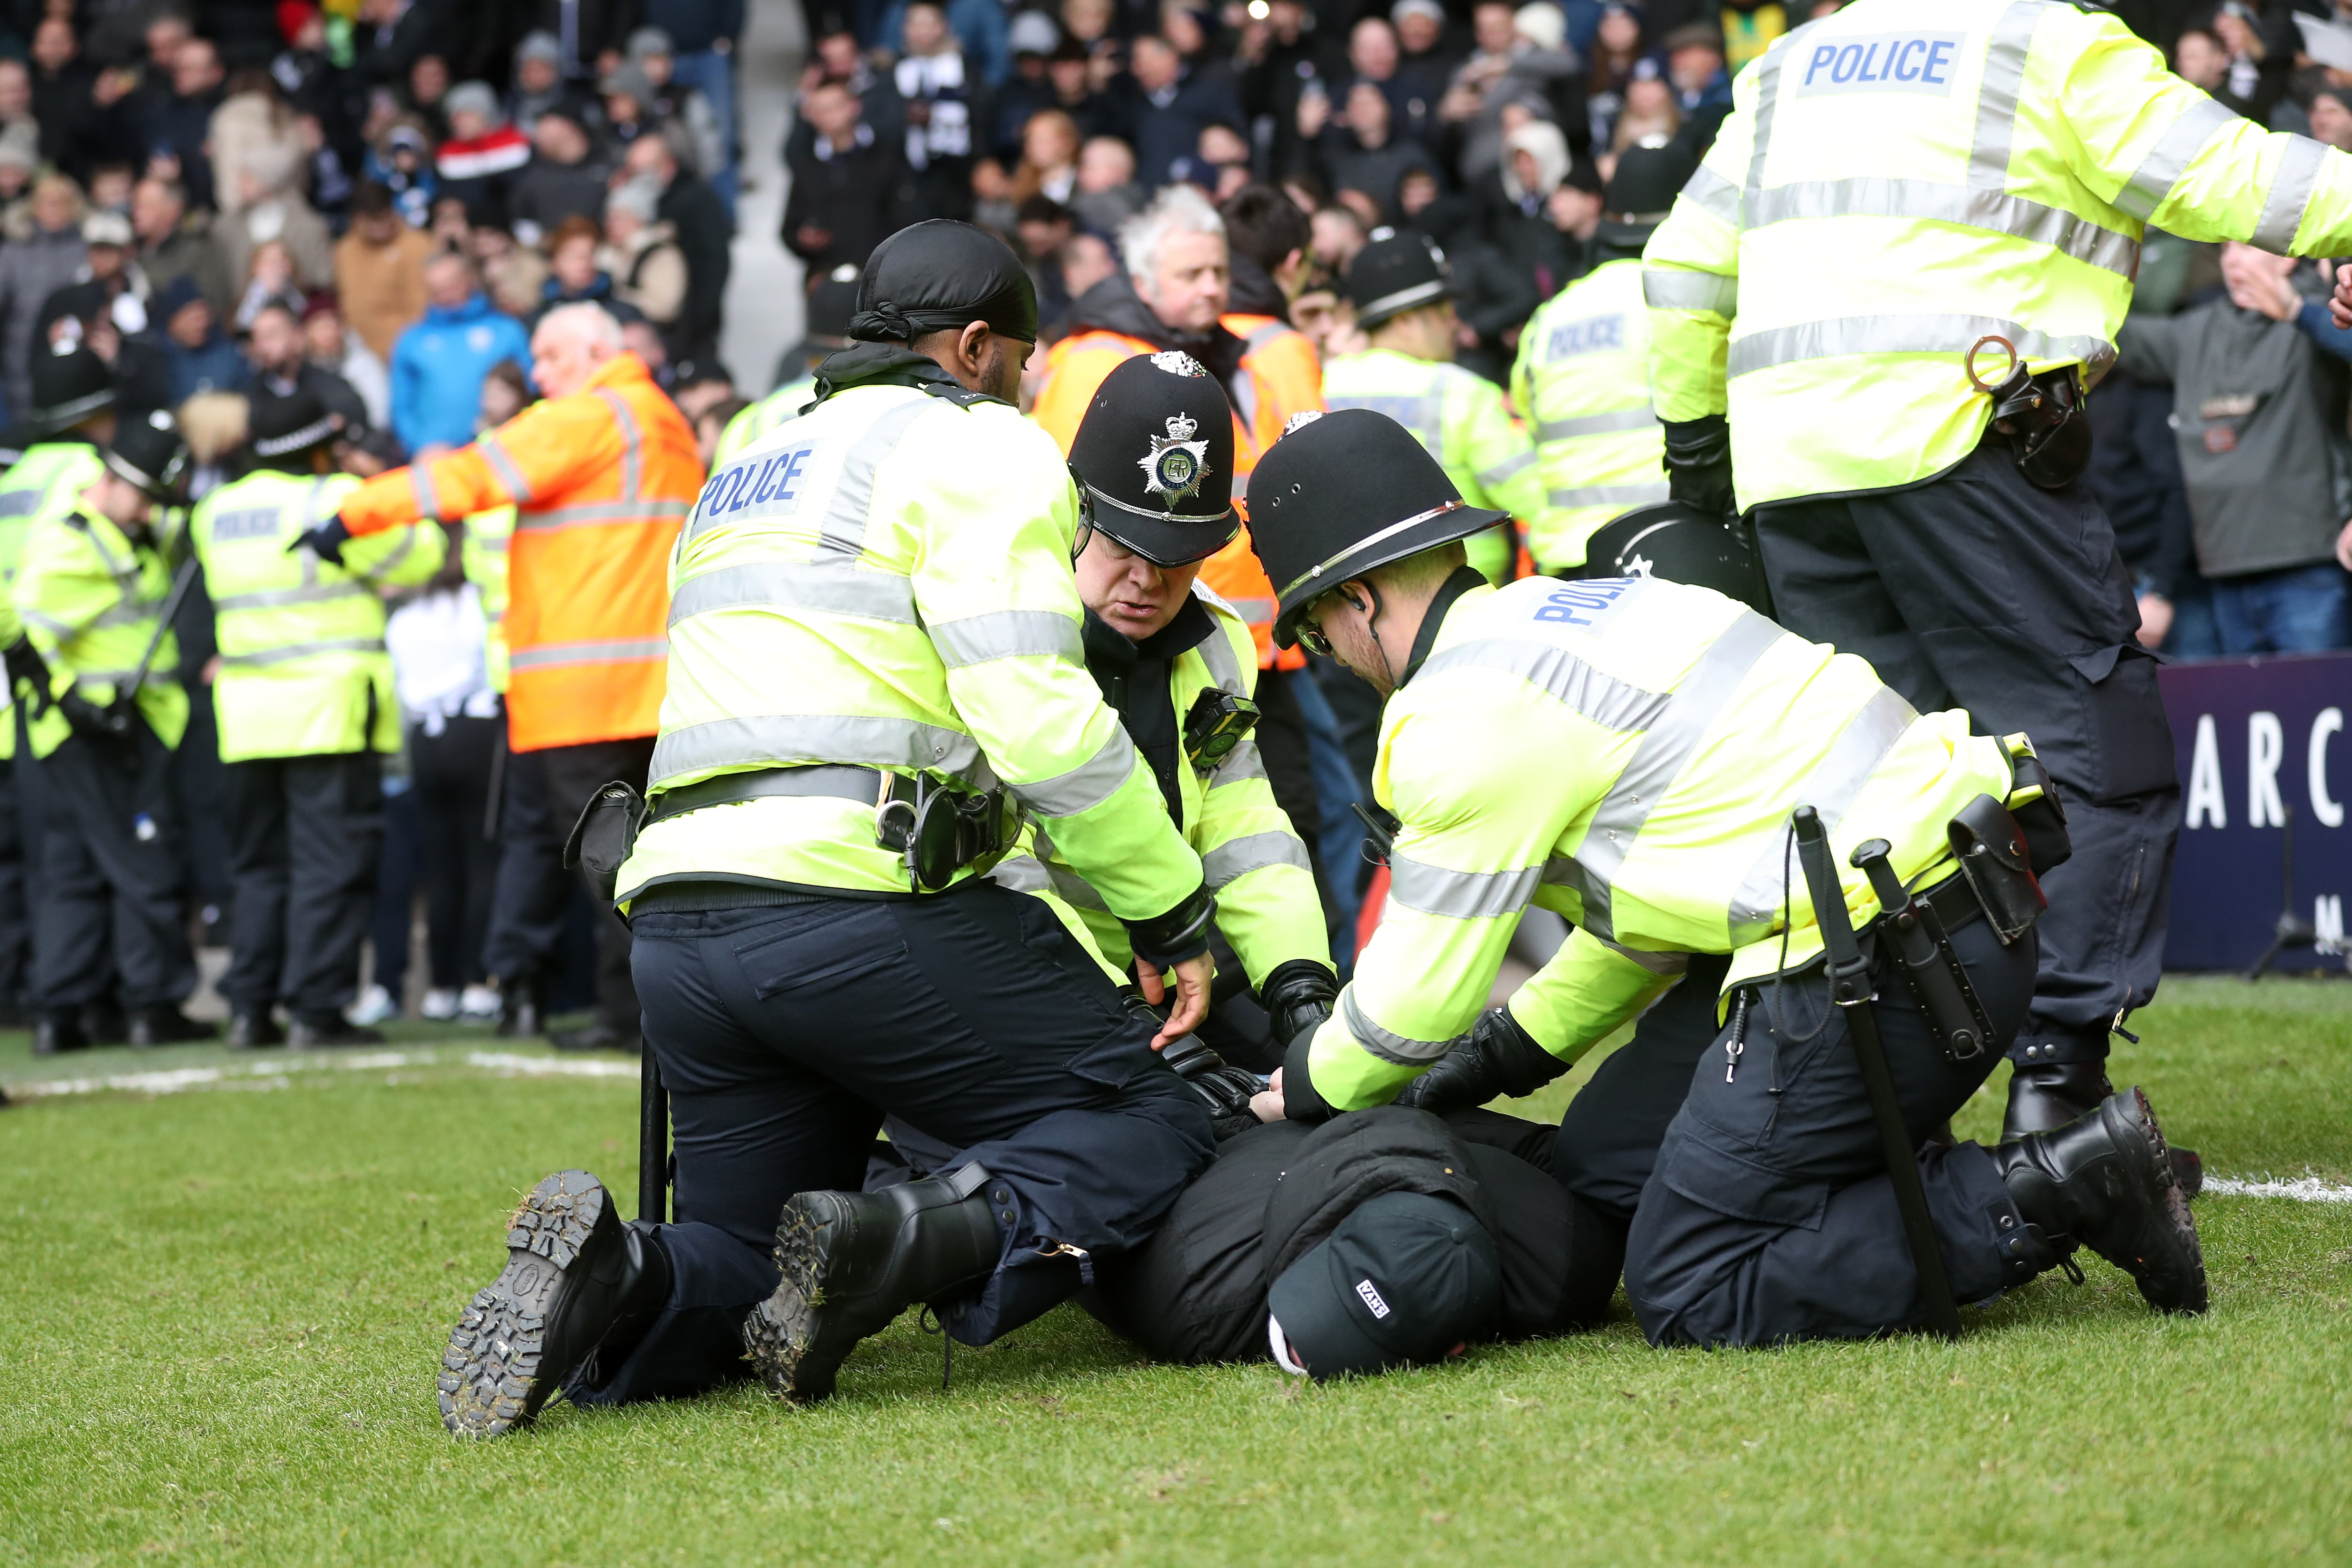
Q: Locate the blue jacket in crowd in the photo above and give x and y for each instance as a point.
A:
(437, 367)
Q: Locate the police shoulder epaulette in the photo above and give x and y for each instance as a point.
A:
(965, 396)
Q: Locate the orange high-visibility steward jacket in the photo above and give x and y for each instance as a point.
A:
(600, 481)
(1281, 375)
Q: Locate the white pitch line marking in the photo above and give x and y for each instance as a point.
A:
(2303, 1189)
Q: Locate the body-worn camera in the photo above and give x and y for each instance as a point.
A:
(1217, 724)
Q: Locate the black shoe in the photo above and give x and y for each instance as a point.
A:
(598, 1036)
(522, 1007)
(2104, 1182)
(151, 1026)
(854, 1261)
(250, 1031)
(2046, 1098)
(576, 1278)
(105, 1025)
(56, 1032)
(325, 1029)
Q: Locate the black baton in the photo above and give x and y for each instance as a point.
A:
(653, 1141)
(1849, 988)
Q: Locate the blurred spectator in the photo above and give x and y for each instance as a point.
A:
(704, 233)
(539, 86)
(108, 286)
(2258, 412)
(1049, 157)
(2243, 61)
(702, 34)
(1650, 112)
(2331, 117)
(1374, 57)
(560, 181)
(1359, 152)
(268, 279)
(1339, 234)
(592, 33)
(515, 274)
(401, 160)
(1087, 259)
(1520, 59)
(175, 125)
(979, 31)
(1169, 105)
(642, 257)
(379, 270)
(575, 276)
(1535, 164)
(944, 109)
(483, 153)
(391, 36)
(20, 159)
(271, 211)
(1616, 51)
(313, 84)
(1268, 240)
(837, 58)
(1108, 194)
(253, 128)
(426, 100)
(279, 356)
(1092, 108)
(64, 103)
(333, 346)
(197, 354)
(844, 193)
(175, 242)
(1041, 229)
(628, 96)
(1030, 88)
(438, 365)
(670, 101)
(1283, 60)
(43, 251)
(1697, 73)
(1424, 61)
(332, 177)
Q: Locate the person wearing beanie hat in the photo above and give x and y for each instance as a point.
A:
(306, 712)
(1402, 291)
(689, 105)
(483, 152)
(875, 687)
(1581, 381)
(94, 592)
(1631, 753)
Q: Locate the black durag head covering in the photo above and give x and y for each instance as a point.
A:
(941, 274)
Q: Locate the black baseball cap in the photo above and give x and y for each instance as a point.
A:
(1407, 1277)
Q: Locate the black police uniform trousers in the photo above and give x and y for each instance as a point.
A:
(110, 863)
(15, 922)
(786, 1034)
(305, 837)
(530, 891)
(1769, 1215)
(1977, 590)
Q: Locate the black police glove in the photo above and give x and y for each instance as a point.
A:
(1165, 941)
(1301, 1101)
(1698, 465)
(1297, 997)
(1226, 1088)
(326, 541)
(1497, 1058)
(110, 723)
(26, 666)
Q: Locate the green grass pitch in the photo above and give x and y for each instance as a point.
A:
(221, 1312)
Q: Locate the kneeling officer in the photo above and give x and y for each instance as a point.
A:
(1631, 753)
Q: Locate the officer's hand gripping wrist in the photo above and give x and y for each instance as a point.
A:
(1298, 996)
(1301, 1101)
(326, 541)
(1496, 1059)
(1168, 940)
(1226, 1089)
(1698, 465)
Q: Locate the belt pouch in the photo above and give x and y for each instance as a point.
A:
(1992, 856)
(604, 835)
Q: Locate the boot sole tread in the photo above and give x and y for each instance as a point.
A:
(489, 1381)
(785, 1334)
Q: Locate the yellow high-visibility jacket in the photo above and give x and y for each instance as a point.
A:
(1582, 383)
(1904, 177)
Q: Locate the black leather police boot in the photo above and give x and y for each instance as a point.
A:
(522, 1005)
(2046, 1096)
(55, 1032)
(2103, 1181)
(598, 1036)
(251, 1031)
(167, 1026)
(313, 1032)
(574, 1276)
(854, 1261)
(104, 1022)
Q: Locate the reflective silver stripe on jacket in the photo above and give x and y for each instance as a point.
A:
(1400, 1050)
(1602, 698)
(1006, 634)
(1461, 895)
(1423, 414)
(1713, 195)
(1665, 750)
(562, 655)
(1665, 289)
(1609, 495)
(1241, 764)
(1642, 418)
(783, 740)
(504, 467)
(1027, 874)
(1257, 612)
(848, 514)
(1505, 469)
(1831, 789)
(601, 511)
(277, 598)
(292, 651)
(1261, 336)
(829, 588)
(420, 484)
(2170, 159)
(632, 444)
(392, 558)
(1655, 963)
(2290, 195)
(1923, 334)
(1086, 786)
(1216, 651)
(1237, 857)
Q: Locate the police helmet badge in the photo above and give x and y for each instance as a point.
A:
(1177, 463)
(1176, 361)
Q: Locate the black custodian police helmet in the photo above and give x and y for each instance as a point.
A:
(1648, 177)
(1394, 273)
(1676, 542)
(286, 425)
(1154, 459)
(150, 455)
(69, 385)
(1342, 493)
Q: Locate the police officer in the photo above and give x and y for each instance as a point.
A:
(874, 674)
(1582, 380)
(50, 463)
(1629, 752)
(1403, 295)
(830, 305)
(89, 591)
(305, 706)
(1909, 195)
